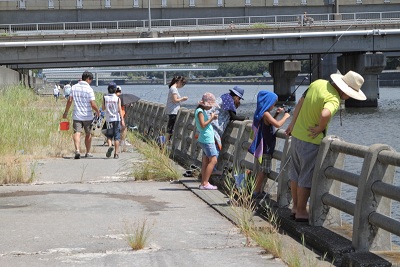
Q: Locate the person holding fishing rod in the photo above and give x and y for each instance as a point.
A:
(309, 125)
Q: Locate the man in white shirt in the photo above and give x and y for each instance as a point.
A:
(82, 95)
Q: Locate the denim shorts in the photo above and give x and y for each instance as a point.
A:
(209, 150)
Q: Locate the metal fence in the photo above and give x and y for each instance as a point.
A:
(278, 21)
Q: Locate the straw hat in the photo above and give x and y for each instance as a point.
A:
(350, 84)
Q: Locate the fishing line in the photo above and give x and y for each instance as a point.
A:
(317, 65)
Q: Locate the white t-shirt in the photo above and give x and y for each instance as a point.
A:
(111, 105)
(67, 89)
(171, 107)
(82, 93)
(56, 90)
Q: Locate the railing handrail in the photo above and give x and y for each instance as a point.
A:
(323, 19)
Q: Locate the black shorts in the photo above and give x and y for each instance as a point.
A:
(171, 123)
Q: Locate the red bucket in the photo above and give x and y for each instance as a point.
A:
(64, 126)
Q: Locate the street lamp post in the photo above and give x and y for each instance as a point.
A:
(149, 16)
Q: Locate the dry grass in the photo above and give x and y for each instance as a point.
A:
(30, 131)
(137, 234)
(157, 166)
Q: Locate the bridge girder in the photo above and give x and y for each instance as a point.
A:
(208, 51)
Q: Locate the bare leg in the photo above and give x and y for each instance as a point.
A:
(293, 189)
(88, 142)
(259, 182)
(207, 168)
(116, 144)
(77, 140)
(302, 197)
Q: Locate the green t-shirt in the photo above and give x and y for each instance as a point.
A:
(321, 94)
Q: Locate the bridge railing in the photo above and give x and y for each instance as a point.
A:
(371, 214)
(200, 23)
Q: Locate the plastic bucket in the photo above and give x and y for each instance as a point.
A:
(64, 126)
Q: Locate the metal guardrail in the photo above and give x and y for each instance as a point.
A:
(277, 21)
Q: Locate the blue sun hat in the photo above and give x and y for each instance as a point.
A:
(238, 91)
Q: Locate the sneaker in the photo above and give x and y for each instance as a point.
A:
(77, 155)
(208, 187)
(109, 151)
(88, 155)
(127, 143)
(116, 156)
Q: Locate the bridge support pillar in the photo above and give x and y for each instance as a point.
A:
(322, 66)
(96, 77)
(284, 74)
(369, 65)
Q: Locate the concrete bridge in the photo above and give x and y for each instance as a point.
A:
(348, 44)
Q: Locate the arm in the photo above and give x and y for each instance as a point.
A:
(295, 115)
(94, 106)
(175, 98)
(69, 103)
(268, 118)
(235, 117)
(323, 122)
(203, 123)
(120, 113)
(103, 106)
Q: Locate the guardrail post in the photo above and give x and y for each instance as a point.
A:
(241, 150)
(366, 236)
(321, 184)
(284, 195)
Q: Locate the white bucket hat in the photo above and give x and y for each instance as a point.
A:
(350, 84)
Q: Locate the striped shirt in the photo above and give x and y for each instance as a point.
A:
(82, 94)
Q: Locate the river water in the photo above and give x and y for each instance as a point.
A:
(364, 126)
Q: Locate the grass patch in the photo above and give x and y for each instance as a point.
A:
(157, 165)
(259, 26)
(137, 234)
(29, 131)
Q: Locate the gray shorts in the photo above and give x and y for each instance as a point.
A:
(302, 162)
(79, 125)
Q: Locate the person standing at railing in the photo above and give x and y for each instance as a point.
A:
(206, 139)
(174, 102)
(228, 103)
(308, 127)
(264, 138)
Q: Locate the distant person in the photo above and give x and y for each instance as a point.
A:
(307, 19)
(228, 103)
(174, 102)
(206, 139)
(264, 130)
(308, 127)
(67, 90)
(82, 95)
(114, 119)
(56, 92)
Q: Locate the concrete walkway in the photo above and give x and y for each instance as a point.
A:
(77, 211)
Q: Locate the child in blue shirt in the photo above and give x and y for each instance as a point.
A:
(206, 139)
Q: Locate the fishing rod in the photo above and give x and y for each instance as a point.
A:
(315, 66)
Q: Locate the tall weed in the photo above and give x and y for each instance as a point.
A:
(29, 130)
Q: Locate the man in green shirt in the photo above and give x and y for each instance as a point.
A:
(308, 127)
